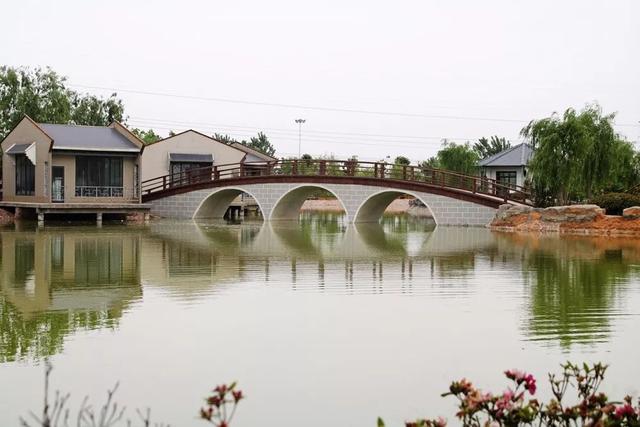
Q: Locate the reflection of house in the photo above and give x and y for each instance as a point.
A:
(65, 168)
(178, 154)
(70, 271)
(508, 167)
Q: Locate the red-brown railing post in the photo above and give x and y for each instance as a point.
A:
(413, 173)
(294, 168)
(323, 167)
(382, 170)
(216, 173)
(404, 172)
(475, 182)
(241, 169)
(164, 182)
(375, 169)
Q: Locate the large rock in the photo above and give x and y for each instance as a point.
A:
(506, 211)
(631, 213)
(571, 213)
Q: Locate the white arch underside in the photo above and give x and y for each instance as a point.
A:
(215, 205)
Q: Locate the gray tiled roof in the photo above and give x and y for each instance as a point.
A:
(88, 138)
(518, 155)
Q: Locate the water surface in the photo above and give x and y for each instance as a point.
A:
(321, 323)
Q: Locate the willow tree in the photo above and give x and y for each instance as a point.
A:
(573, 153)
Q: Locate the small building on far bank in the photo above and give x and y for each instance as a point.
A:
(178, 154)
(508, 167)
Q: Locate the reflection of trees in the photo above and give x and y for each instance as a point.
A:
(458, 265)
(43, 334)
(572, 299)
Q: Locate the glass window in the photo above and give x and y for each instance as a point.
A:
(506, 178)
(98, 176)
(180, 172)
(25, 176)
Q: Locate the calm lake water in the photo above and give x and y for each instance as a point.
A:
(320, 323)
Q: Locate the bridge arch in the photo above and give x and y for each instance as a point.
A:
(287, 206)
(215, 204)
(372, 208)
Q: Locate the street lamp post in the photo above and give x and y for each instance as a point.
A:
(300, 122)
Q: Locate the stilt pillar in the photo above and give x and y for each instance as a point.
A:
(40, 220)
(99, 219)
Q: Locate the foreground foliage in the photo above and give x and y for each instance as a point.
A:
(219, 410)
(517, 407)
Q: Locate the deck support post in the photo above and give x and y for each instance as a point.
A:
(99, 219)
(146, 218)
(40, 219)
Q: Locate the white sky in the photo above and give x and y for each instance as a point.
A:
(507, 60)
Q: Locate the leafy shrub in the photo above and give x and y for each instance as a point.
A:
(615, 203)
(513, 408)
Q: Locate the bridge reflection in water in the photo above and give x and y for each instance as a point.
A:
(55, 282)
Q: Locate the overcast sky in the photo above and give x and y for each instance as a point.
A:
(428, 69)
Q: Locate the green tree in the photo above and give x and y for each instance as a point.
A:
(402, 160)
(42, 95)
(625, 167)
(574, 154)
(600, 141)
(457, 157)
(223, 137)
(39, 93)
(95, 111)
(488, 147)
(261, 143)
(148, 136)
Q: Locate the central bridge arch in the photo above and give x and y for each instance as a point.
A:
(372, 208)
(288, 206)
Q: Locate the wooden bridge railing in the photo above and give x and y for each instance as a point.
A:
(338, 168)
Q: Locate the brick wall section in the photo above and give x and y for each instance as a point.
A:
(446, 210)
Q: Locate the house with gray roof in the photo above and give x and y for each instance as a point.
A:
(508, 167)
(54, 168)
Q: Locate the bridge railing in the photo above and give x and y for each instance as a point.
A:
(339, 168)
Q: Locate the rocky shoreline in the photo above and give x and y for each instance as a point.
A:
(573, 219)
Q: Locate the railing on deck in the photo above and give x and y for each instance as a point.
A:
(339, 168)
(105, 192)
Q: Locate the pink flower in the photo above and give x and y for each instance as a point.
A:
(530, 383)
(625, 410)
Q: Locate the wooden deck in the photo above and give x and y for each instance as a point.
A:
(93, 208)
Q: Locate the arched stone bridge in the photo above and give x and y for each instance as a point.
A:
(364, 190)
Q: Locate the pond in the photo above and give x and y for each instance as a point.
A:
(321, 323)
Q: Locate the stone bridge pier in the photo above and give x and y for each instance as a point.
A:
(282, 201)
